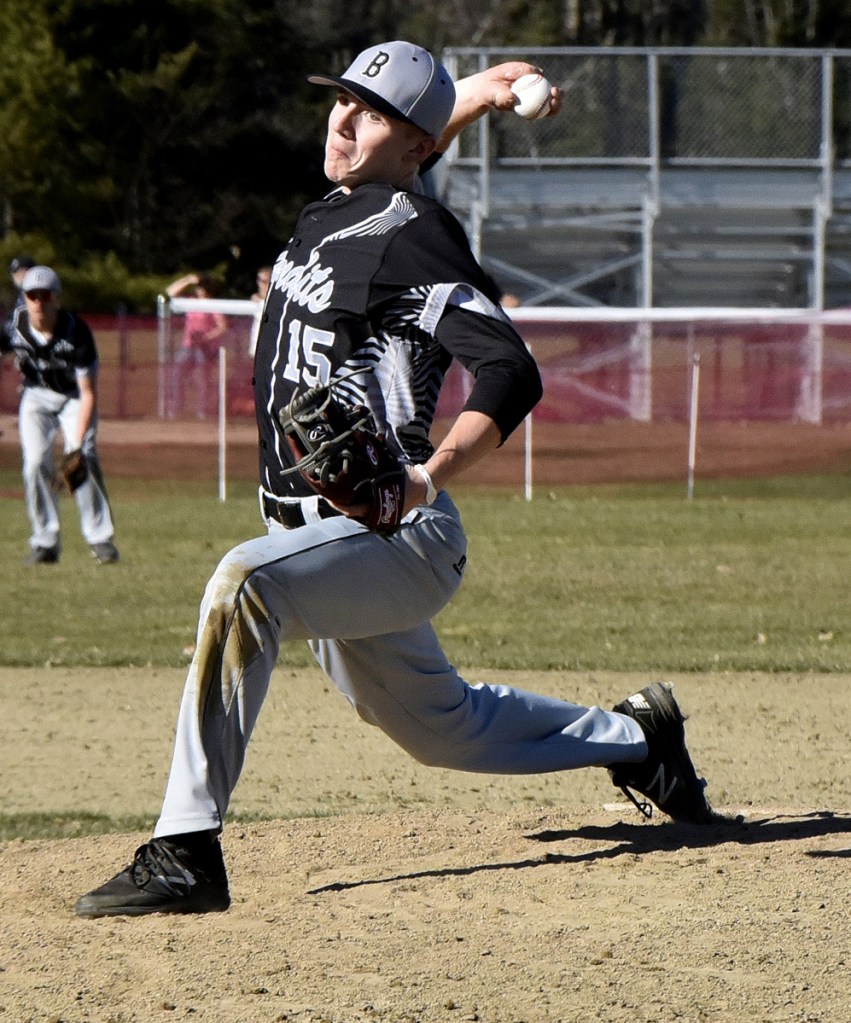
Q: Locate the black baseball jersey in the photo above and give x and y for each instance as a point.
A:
(54, 364)
(378, 289)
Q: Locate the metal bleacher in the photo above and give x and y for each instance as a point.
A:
(672, 177)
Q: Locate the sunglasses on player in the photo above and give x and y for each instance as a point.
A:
(39, 295)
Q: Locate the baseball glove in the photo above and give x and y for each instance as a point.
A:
(73, 470)
(343, 458)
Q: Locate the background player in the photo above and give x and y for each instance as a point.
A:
(57, 357)
(377, 289)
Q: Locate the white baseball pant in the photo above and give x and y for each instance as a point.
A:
(42, 413)
(364, 603)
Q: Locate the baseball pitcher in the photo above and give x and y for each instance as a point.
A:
(375, 294)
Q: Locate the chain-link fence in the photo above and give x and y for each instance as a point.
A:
(734, 106)
(672, 177)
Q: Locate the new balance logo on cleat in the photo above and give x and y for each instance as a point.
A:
(667, 776)
(657, 784)
(180, 882)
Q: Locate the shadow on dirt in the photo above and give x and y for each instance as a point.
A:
(630, 839)
(638, 838)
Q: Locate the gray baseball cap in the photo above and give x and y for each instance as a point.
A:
(402, 81)
(41, 278)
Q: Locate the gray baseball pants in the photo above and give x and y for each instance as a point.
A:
(364, 603)
(42, 413)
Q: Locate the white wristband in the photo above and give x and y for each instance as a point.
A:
(431, 489)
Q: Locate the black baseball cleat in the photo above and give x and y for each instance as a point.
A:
(42, 556)
(164, 877)
(104, 553)
(667, 776)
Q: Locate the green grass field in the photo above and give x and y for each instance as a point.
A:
(750, 575)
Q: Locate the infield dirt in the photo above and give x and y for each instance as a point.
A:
(380, 891)
(416, 894)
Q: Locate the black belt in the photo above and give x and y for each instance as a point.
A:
(290, 514)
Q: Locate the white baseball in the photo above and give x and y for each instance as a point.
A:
(533, 93)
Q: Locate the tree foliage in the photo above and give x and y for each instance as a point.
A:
(157, 135)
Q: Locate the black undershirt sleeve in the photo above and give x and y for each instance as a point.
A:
(507, 382)
(433, 248)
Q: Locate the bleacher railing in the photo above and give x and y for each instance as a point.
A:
(650, 130)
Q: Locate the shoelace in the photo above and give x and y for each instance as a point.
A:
(155, 861)
(645, 807)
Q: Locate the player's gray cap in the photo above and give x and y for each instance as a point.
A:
(402, 81)
(41, 278)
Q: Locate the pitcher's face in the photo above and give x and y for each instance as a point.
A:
(364, 145)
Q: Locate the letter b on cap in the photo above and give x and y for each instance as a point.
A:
(377, 64)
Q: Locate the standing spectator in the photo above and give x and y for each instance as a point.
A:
(204, 333)
(264, 276)
(17, 270)
(57, 356)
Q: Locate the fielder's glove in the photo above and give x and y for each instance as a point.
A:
(342, 457)
(73, 470)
